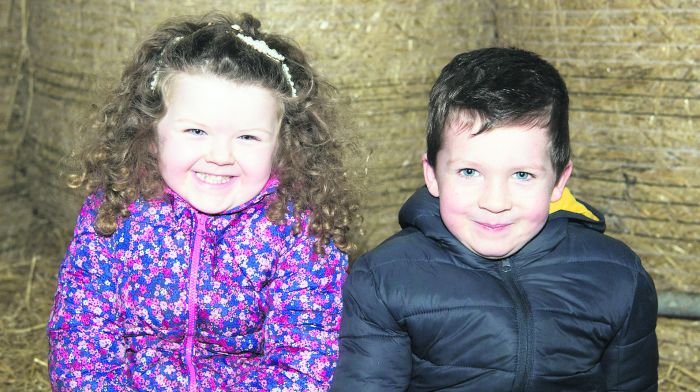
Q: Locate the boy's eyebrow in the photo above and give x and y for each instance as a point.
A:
(461, 162)
(536, 167)
(516, 167)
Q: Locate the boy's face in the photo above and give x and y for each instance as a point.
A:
(495, 187)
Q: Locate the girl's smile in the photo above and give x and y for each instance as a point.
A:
(213, 179)
(217, 140)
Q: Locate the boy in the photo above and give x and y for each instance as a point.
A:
(499, 279)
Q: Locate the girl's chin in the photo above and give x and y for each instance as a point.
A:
(206, 204)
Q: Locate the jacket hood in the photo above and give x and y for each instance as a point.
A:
(422, 212)
(576, 210)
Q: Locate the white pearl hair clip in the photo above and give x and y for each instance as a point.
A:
(261, 46)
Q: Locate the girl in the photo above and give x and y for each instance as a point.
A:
(209, 254)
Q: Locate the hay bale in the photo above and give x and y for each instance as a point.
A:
(632, 71)
(15, 105)
(26, 293)
(631, 67)
(382, 58)
(679, 352)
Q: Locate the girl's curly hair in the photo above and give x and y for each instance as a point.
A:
(122, 162)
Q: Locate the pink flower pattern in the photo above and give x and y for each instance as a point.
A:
(176, 300)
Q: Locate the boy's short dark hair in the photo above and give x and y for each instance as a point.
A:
(500, 87)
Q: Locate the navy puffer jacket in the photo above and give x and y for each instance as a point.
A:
(572, 311)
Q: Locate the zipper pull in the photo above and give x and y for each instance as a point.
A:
(201, 221)
(505, 265)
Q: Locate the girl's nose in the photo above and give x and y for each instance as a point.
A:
(495, 197)
(220, 153)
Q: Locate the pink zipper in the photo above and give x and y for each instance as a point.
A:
(192, 300)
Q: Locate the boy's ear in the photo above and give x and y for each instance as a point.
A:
(561, 183)
(429, 177)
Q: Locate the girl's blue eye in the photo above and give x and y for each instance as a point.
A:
(468, 172)
(196, 131)
(249, 137)
(522, 175)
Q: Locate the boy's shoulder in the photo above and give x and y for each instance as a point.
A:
(406, 247)
(601, 245)
(585, 234)
(584, 243)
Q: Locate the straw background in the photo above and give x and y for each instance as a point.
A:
(631, 67)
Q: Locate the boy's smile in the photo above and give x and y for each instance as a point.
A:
(495, 187)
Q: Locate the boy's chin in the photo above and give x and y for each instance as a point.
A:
(495, 253)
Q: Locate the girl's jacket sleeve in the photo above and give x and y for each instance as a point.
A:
(375, 349)
(86, 352)
(631, 360)
(302, 322)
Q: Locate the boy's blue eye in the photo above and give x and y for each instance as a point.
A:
(468, 172)
(196, 131)
(521, 175)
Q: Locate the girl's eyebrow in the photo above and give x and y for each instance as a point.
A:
(197, 124)
(187, 120)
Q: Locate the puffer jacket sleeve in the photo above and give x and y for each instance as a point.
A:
(303, 304)
(631, 360)
(86, 352)
(375, 352)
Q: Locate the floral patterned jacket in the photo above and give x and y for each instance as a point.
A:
(176, 300)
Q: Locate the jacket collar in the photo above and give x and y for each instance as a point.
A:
(182, 207)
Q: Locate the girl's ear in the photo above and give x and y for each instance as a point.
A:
(283, 127)
(429, 177)
(561, 182)
(153, 145)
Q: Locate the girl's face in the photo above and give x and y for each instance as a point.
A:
(217, 140)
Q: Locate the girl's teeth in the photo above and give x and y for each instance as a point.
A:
(211, 179)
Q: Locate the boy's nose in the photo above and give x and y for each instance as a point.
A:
(495, 197)
(220, 153)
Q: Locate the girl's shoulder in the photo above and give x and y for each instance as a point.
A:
(139, 211)
(94, 200)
